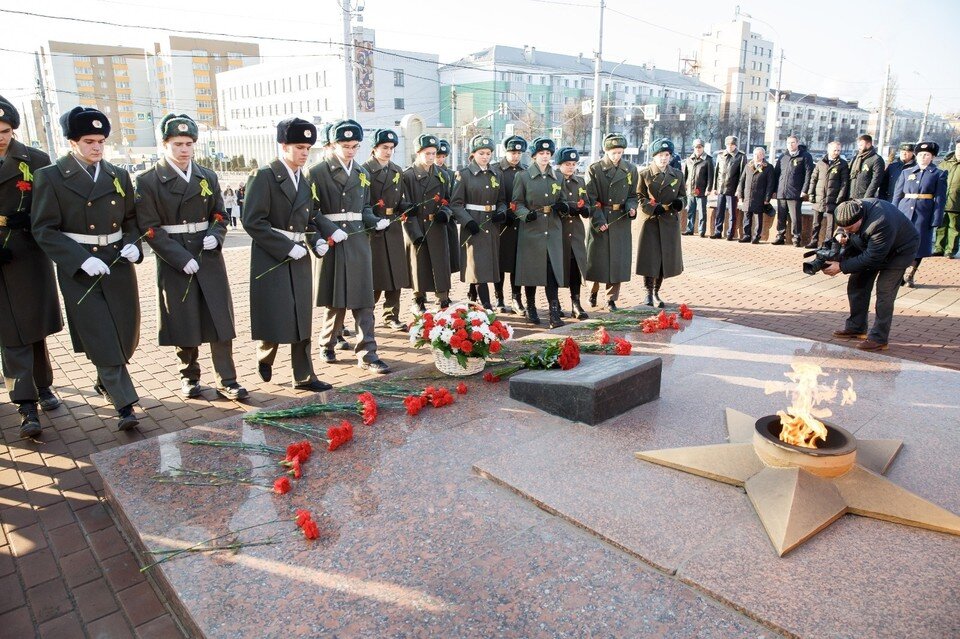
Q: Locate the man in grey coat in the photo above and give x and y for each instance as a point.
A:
(792, 174)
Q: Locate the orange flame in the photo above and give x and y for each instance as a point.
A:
(800, 423)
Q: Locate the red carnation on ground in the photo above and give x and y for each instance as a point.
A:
(303, 516)
(603, 337)
(569, 354)
(412, 402)
(294, 467)
(622, 346)
(281, 485)
(24, 186)
(686, 312)
(337, 436)
(490, 377)
(368, 408)
(310, 530)
(461, 389)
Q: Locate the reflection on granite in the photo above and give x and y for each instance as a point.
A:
(431, 526)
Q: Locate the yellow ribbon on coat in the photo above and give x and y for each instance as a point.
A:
(118, 188)
(25, 170)
(205, 187)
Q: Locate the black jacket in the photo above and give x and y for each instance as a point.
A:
(727, 176)
(866, 174)
(757, 185)
(698, 174)
(890, 176)
(830, 184)
(793, 174)
(887, 236)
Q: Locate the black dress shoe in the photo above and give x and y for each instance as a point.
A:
(190, 389)
(394, 324)
(593, 300)
(128, 419)
(500, 308)
(716, 236)
(377, 366)
(730, 238)
(687, 233)
(343, 344)
(314, 385)
(703, 235)
(48, 399)
(779, 242)
(578, 311)
(611, 306)
(29, 421)
(345, 332)
(812, 245)
(329, 356)
(532, 316)
(744, 239)
(101, 390)
(265, 371)
(233, 391)
(755, 240)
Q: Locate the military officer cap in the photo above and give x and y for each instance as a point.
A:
(296, 131)
(384, 136)
(660, 146)
(346, 131)
(929, 147)
(173, 125)
(614, 141)
(515, 143)
(80, 121)
(543, 144)
(426, 140)
(9, 113)
(443, 147)
(907, 146)
(848, 212)
(478, 142)
(567, 154)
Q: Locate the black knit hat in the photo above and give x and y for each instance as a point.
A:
(543, 144)
(384, 136)
(296, 131)
(515, 143)
(9, 113)
(614, 141)
(848, 212)
(173, 125)
(80, 121)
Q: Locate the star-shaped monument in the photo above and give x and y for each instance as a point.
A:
(794, 494)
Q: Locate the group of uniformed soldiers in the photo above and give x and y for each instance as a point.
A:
(373, 227)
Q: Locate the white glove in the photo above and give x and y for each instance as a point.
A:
(191, 267)
(382, 224)
(209, 242)
(297, 252)
(131, 252)
(95, 266)
(322, 247)
(338, 236)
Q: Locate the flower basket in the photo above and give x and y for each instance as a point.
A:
(450, 366)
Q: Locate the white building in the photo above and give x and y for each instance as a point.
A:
(903, 125)
(739, 61)
(815, 120)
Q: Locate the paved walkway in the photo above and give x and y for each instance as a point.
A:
(66, 571)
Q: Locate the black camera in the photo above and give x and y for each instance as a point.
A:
(830, 251)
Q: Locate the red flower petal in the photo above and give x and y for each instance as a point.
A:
(281, 485)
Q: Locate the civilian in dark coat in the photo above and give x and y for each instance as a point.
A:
(921, 194)
(698, 176)
(730, 165)
(757, 185)
(880, 244)
(907, 160)
(793, 171)
(29, 307)
(866, 170)
(829, 187)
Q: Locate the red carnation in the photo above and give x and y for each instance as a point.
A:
(494, 347)
(513, 207)
(339, 435)
(217, 217)
(466, 346)
(24, 186)
(622, 346)
(281, 485)
(151, 233)
(603, 337)
(490, 377)
(580, 203)
(461, 389)
(476, 336)
(412, 402)
(569, 354)
(294, 466)
(599, 204)
(330, 241)
(381, 204)
(436, 198)
(303, 516)
(310, 530)
(686, 312)
(696, 192)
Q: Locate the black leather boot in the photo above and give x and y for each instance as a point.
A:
(556, 321)
(577, 310)
(648, 284)
(531, 309)
(29, 420)
(656, 293)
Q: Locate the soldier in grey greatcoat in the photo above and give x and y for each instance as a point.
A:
(345, 275)
(662, 195)
(509, 167)
(277, 215)
(425, 229)
(478, 204)
(443, 153)
(612, 189)
(539, 201)
(29, 308)
(574, 233)
(391, 273)
(181, 201)
(85, 219)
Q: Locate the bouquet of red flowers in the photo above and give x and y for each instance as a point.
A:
(461, 331)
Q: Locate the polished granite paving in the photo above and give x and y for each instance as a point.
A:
(490, 518)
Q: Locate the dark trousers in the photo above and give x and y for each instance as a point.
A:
(552, 289)
(116, 380)
(25, 369)
(612, 290)
(859, 288)
(299, 358)
(825, 220)
(366, 346)
(575, 279)
(791, 208)
(749, 219)
(692, 214)
(725, 202)
(222, 355)
(391, 304)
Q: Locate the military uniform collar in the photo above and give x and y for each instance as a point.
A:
(506, 166)
(730, 155)
(17, 149)
(474, 168)
(606, 163)
(70, 166)
(535, 171)
(373, 166)
(655, 170)
(421, 173)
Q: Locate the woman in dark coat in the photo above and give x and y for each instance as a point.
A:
(539, 203)
(574, 233)
(478, 204)
(662, 195)
(758, 183)
(921, 194)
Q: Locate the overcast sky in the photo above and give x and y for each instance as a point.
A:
(823, 40)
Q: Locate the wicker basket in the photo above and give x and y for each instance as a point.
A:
(450, 365)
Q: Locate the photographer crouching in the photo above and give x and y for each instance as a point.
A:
(879, 243)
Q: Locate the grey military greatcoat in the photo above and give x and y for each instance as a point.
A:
(536, 192)
(612, 190)
(659, 247)
(479, 194)
(430, 266)
(574, 232)
(390, 269)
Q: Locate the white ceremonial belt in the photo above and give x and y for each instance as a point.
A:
(486, 208)
(97, 240)
(344, 217)
(290, 235)
(189, 227)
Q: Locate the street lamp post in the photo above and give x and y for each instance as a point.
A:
(885, 95)
(610, 85)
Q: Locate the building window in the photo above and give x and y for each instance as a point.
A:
(398, 104)
(398, 77)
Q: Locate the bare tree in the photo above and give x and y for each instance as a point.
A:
(529, 124)
(575, 125)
